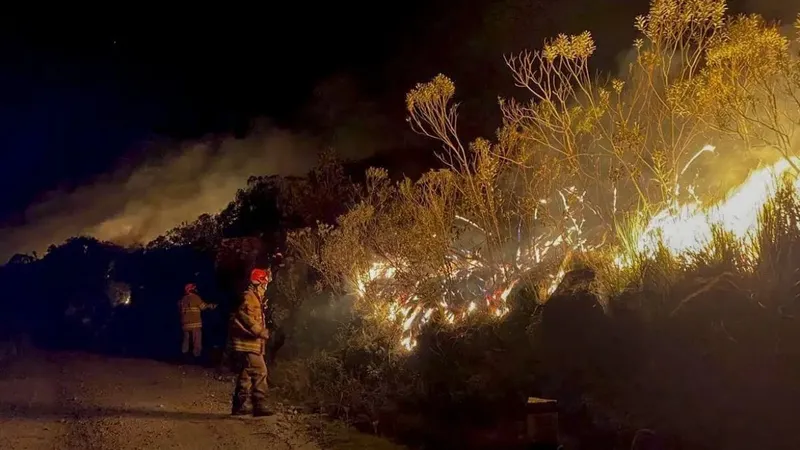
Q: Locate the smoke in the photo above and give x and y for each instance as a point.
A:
(135, 205)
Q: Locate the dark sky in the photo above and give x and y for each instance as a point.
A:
(76, 94)
(82, 90)
(79, 93)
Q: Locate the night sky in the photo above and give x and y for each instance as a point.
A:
(80, 95)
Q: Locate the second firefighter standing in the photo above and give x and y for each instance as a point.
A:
(191, 306)
(247, 339)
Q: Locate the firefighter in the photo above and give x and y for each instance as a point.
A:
(248, 336)
(191, 306)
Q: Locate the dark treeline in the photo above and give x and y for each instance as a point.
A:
(98, 296)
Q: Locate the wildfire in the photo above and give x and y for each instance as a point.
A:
(686, 229)
(496, 281)
(681, 228)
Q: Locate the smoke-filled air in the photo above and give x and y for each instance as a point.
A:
(135, 205)
(179, 180)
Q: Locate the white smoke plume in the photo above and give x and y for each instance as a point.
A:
(135, 205)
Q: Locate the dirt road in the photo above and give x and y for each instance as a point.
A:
(82, 401)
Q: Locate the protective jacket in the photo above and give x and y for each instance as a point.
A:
(190, 307)
(247, 325)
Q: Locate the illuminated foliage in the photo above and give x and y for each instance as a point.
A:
(572, 168)
(750, 87)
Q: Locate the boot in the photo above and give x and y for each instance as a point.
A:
(241, 412)
(239, 408)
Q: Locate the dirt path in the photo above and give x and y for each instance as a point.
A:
(80, 401)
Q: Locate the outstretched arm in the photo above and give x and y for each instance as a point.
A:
(200, 303)
(204, 305)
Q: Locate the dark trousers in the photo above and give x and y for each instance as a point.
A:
(251, 380)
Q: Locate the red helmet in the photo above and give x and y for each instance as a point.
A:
(190, 287)
(260, 276)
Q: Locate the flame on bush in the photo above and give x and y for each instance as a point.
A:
(496, 282)
(686, 230)
(682, 229)
(625, 145)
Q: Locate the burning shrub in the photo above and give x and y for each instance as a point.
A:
(410, 253)
(692, 280)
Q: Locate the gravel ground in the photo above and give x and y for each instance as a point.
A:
(83, 401)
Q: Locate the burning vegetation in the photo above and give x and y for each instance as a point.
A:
(627, 241)
(625, 244)
(605, 172)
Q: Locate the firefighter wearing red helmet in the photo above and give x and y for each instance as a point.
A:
(248, 336)
(191, 305)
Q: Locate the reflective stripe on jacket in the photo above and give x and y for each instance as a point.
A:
(247, 324)
(190, 306)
